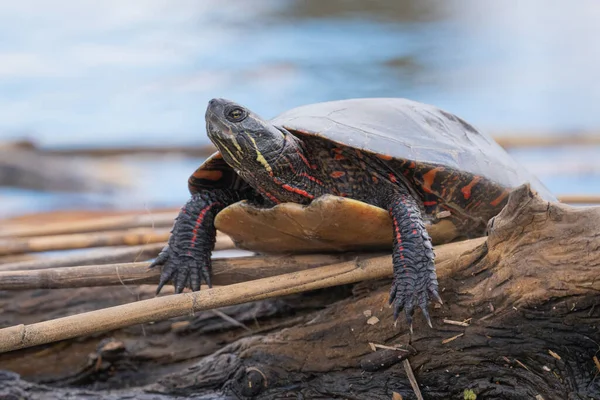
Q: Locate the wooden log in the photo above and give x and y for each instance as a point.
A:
(82, 241)
(226, 271)
(529, 297)
(103, 255)
(136, 220)
(22, 336)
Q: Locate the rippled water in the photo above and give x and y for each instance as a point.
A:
(141, 72)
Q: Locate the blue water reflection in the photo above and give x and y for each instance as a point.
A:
(140, 72)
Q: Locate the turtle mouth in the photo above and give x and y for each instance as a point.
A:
(215, 126)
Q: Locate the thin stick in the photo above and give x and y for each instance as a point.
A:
(83, 240)
(137, 220)
(411, 378)
(226, 271)
(579, 199)
(22, 336)
(546, 140)
(104, 255)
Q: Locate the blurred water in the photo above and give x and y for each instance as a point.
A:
(141, 72)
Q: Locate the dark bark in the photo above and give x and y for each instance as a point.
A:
(532, 293)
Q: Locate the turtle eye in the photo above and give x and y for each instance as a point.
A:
(236, 114)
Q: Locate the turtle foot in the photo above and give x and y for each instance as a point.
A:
(186, 259)
(184, 271)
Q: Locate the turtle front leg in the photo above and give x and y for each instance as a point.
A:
(415, 280)
(186, 260)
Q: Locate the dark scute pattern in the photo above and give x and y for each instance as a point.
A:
(408, 130)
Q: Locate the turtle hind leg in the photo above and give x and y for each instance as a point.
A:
(415, 281)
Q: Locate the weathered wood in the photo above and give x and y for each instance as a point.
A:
(103, 255)
(135, 220)
(83, 240)
(226, 271)
(530, 295)
(22, 336)
(579, 199)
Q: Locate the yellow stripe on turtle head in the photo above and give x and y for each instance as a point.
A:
(259, 157)
(224, 147)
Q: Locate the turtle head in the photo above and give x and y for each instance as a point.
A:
(245, 140)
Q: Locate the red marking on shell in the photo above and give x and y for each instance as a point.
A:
(208, 174)
(337, 174)
(359, 153)
(338, 150)
(269, 196)
(392, 178)
(339, 157)
(305, 161)
(375, 179)
(429, 203)
(384, 157)
(297, 191)
(312, 178)
(429, 178)
(292, 167)
(466, 190)
(499, 199)
(272, 198)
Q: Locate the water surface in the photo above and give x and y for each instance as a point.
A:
(99, 73)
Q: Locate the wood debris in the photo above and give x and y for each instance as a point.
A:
(445, 341)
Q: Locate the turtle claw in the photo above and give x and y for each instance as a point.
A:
(182, 271)
(403, 299)
(426, 315)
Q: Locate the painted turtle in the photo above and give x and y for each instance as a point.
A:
(415, 161)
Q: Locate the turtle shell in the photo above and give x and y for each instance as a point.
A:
(393, 129)
(407, 130)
